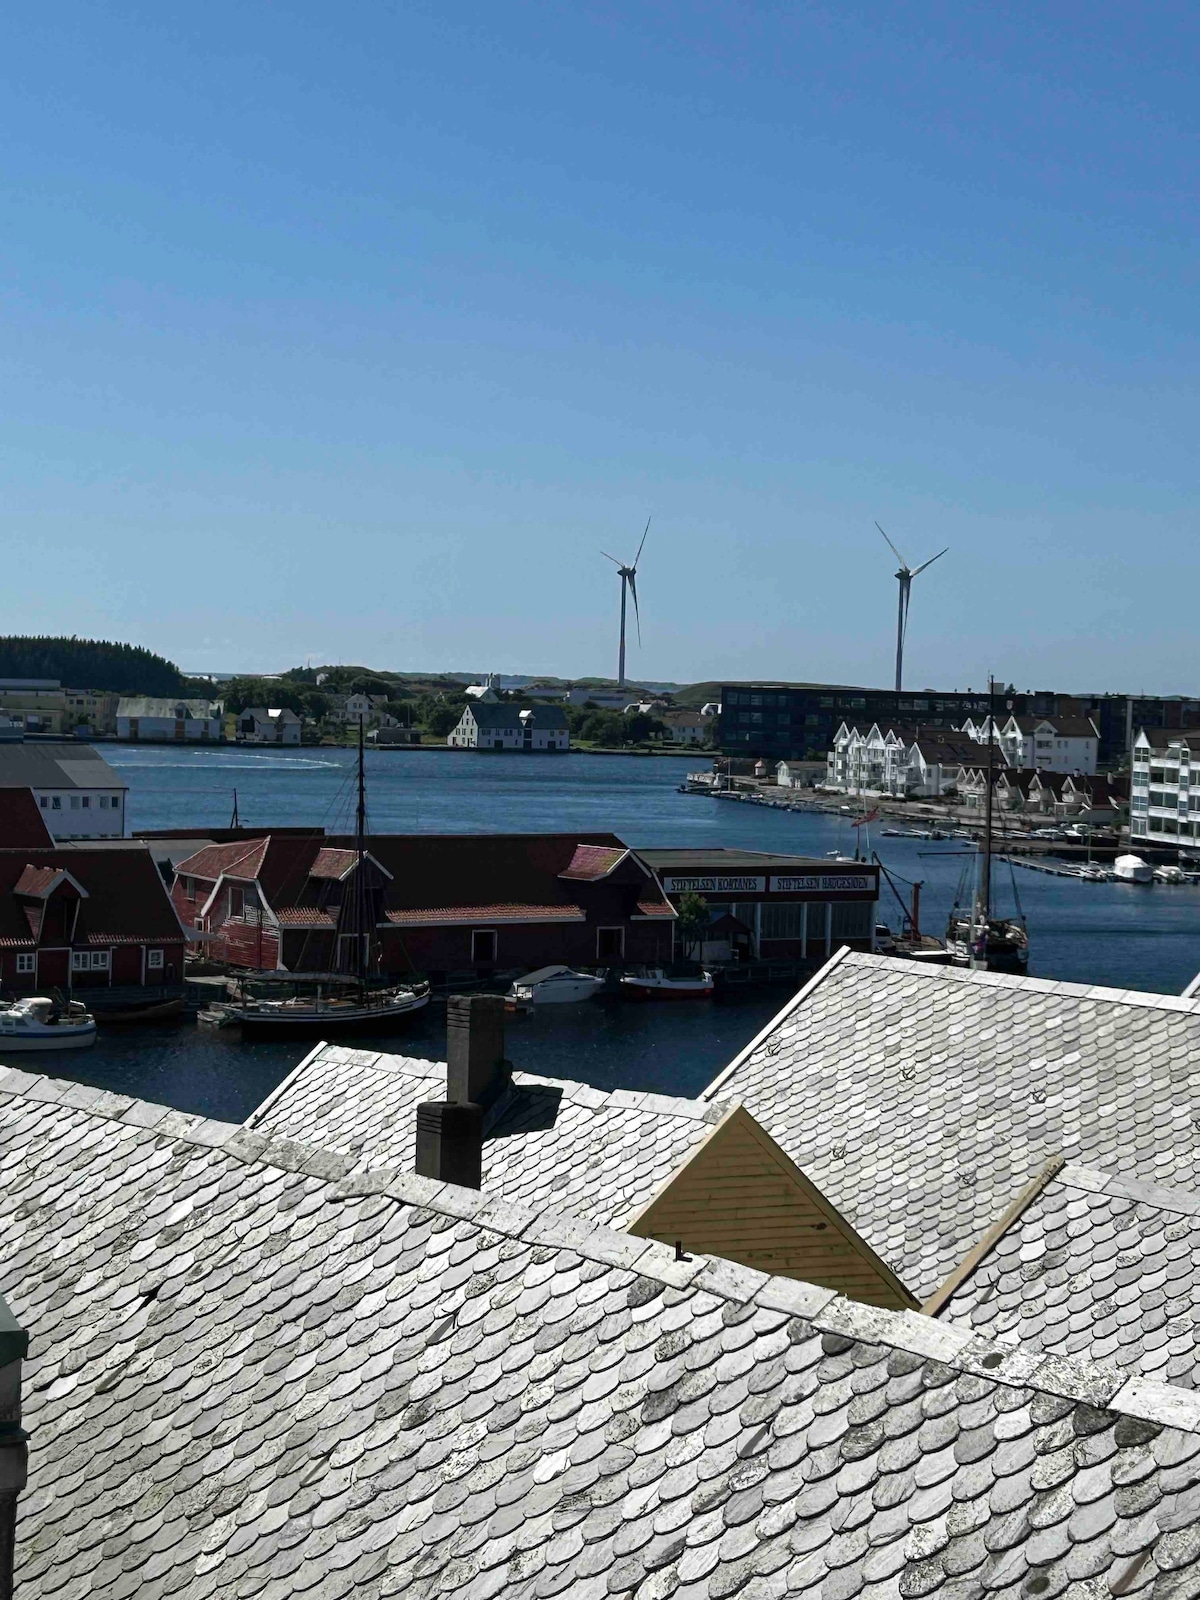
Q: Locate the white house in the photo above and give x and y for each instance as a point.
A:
(507, 726)
(936, 764)
(799, 774)
(685, 726)
(268, 725)
(370, 707)
(174, 720)
(77, 792)
(1053, 744)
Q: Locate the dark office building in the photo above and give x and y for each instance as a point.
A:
(797, 721)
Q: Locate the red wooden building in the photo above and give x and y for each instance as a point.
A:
(440, 903)
(98, 919)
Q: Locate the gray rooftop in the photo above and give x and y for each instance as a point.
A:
(146, 706)
(921, 1101)
(1096, 1265)
(253, 1376)
(705, 859)
(53, 765)
(599, 1154)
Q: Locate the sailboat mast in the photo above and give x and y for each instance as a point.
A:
(985, 882)
(361, 898)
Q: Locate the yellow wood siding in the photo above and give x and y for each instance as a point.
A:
(741, 1197)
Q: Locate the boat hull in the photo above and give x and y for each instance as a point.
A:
(321, 1022)
(557, 994)
(14, 1043)
(637, 989)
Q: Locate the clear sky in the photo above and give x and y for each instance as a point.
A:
(354, 332)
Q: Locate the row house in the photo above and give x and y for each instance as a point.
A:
(900, 762)
(1051, 744)
(98, 920)
(442, 904)
(1164, 803)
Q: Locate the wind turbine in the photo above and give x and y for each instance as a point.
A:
(905, 576)
(628, 585)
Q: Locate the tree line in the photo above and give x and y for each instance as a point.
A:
(100, 665)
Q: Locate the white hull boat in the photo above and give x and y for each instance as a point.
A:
(554, 986)
(656, 983)
(1170, 875)
(1132, 869)
(37, 1024)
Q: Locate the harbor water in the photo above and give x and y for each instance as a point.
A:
(1120, 935)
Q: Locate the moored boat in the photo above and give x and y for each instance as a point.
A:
(327, 1008)
(681, 982)
(1170, 875)
(39, 1023)
(550, 986)
(1132, 869)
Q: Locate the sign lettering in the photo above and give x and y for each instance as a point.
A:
(858, 883)
(714, 885)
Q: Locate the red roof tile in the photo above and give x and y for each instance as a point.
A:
(241, 860)
(126, 898)
(592, 861)
(498, 913)
(37, 881)
(332, 863)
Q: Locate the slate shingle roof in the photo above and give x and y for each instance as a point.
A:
(1097, 1265)
(601, 1155)
(922, 1101)
(250, 1378)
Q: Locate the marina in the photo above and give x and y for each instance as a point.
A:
(1108, 933)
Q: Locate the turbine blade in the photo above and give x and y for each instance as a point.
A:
(638, 557)
(894, 551)
(633, 591)
(931, 560)
(613, 559)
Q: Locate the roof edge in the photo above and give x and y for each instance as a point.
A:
(958, 1348)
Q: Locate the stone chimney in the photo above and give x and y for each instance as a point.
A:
(450, 1131)
(14, 1346)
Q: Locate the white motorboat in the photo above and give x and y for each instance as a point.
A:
(667, 983)
(1170, 875)
(1132, 869)
(554, 986)
(37, 1023)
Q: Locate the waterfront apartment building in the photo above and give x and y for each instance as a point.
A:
(1164, 801)
(786, 721)
(1050, 744)
(77, 792)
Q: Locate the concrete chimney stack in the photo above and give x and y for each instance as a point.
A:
(450, 1131)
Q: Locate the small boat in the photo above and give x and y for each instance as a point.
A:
(1094, 874)
(323, 1008)
(1170, 875)
(992, 944)
(1132, 869)
(892, 833)
(885, 940)
(681, 982)
(156, 1011)
(39, 1023)
(551, 986)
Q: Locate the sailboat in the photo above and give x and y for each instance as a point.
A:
(341, 1001)
(975, 937)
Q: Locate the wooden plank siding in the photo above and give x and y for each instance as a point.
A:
(741, 1197)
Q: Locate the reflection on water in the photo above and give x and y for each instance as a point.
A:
(1120, 935)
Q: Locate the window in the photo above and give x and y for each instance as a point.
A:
(237, 901)
(610, 944)
(104, 802)
(154, 959)
(45, 802)
(115, 802)
(86, 801)
(783, 921)
(851, 919)
(483, 946)
(199, 921)
(189, 889)
(56, 802)
(26, 962)
(89, 960)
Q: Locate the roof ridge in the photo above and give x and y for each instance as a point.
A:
(1082, 991)
(958, 1348)
(1115, 1185)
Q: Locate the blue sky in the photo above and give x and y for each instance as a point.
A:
(354, 333)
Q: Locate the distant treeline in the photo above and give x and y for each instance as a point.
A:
(90, 664)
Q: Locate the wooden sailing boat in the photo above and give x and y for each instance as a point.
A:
(344, 999)
(974, 936)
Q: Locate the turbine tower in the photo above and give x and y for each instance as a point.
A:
(628, 586)
(905, 576)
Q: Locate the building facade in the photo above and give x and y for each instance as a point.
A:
(98, 921)
(1051, 744)
(265, 725)
(507, 726)
(77, 792)
(1164, 800)
(168, 721)
(780, 721)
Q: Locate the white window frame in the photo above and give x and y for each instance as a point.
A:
(154, 960)
(26, 961)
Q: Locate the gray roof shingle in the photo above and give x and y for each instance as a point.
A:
(1097, 1265)
(599, 1154)
(253, 1377)
(922, 1100)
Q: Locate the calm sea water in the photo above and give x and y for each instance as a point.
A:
(1124, 936)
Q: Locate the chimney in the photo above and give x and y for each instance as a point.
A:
(449, 1144)
(476, 1071)
(14, 1346)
